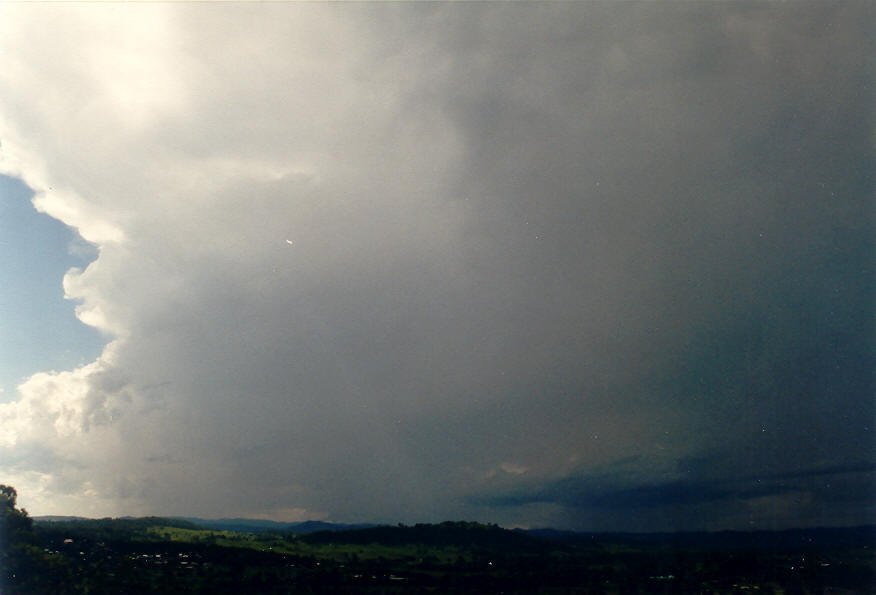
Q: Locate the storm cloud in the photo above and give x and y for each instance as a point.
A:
(584, 264)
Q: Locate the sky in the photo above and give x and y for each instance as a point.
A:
(38, 327)
(595, 266)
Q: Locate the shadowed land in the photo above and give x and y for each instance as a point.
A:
(160, 555)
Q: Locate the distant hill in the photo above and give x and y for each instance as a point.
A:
(448, 533)
(265, 526)
(239, 525)
(106, 529)
(127, 523)
(50, 518)
(479, 534)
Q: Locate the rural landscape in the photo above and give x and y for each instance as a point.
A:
(169, 555)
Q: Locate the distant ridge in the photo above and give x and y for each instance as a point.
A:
(240, 525)
(266, 526)
(858, 536)
(52, 518)
(448, 533)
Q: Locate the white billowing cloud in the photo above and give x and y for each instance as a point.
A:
(54, 406)
(188, 145)
(60, 430)
(506, 238)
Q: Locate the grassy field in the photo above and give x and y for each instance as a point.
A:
(337, 552)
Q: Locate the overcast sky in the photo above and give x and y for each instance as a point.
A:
(589, 265)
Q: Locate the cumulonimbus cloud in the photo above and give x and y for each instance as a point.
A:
(360, 262)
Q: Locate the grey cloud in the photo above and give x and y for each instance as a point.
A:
(660, 503)
(552, 237)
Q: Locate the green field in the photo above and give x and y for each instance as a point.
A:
(338, 552)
